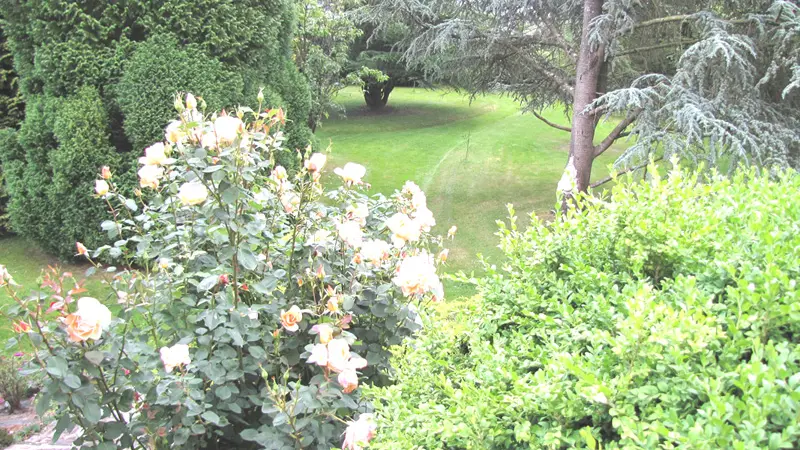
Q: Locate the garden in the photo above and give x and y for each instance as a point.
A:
(386, 224)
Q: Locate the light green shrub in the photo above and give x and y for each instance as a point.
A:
(664, 317)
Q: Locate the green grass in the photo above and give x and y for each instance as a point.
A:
(470, 159)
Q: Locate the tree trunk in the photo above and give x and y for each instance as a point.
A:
(376, 95)
(581, 149)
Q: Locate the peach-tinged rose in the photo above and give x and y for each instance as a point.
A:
(359, 433)
(149, 176)
(173, 133)
(290, 202)
(418, 199)
(227, 128)
(316, 162)
(417, 276)
(452, 231)
(443, 255)
(191, 102)
(81, 249)
(324, 331)
(320, 237)
(192, 193)
(358, 213)
(403, 228)
(349, 380)
(175, 356)
(423, 217)
(375, 251)
(350, 233)
(21, 327)
(279, 173)
(101, 187)
(89, 321)
(156, 155)
(290, 319)
(352, 173)
(105, 173)
(209, 141)
(5, 277)
(332, 304)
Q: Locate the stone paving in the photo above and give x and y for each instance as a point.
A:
(42, 440)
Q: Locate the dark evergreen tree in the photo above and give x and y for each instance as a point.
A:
(120, 63)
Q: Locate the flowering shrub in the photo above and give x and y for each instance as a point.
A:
(260, 303)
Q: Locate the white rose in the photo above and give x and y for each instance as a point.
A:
(101, 187)
(316, 162)
(156, 155)
(192, 193)
(350, 233)
(227, 128)
(352, 173)
(149, 176)
(175, 356)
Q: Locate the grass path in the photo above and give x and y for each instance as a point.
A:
(471, 160)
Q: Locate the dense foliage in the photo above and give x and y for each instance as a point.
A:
(260, 304)
(134, 55)
(712, 81)
(664, 317)
(11, 105)
(321, 48)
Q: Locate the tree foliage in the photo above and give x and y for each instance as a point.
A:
(321, 51)
(377, 63)
(135, 54)
(709, 81)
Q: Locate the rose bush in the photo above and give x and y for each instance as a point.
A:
(259, 304)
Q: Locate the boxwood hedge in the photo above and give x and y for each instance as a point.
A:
(665, 316)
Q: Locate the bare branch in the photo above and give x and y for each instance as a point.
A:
(630, 169)
(616, 133)
(554, 125)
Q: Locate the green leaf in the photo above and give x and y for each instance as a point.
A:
(247, 259)
(63, 423)
(210, 416)
(208, 283)
(95, 357)
(91, 411)
(57, 366)
(42, 403)
(72, 381)
(131, 204)
(223, 392)
(250, 435)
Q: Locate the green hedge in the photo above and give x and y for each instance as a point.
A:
(135, 55)
(665, 317)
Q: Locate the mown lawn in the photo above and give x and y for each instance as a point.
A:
(471, 160)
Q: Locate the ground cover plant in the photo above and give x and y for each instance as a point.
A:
(260, 302)
(664, 317)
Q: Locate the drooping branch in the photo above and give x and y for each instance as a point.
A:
(630, 169)
(554, 125)
(655, 47)
(616, 133)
